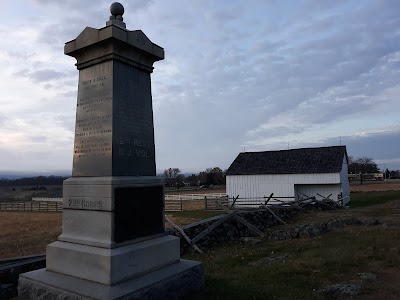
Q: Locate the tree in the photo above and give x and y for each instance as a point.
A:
(362, 165)
(214, 176)
(171, 172)
(192, 179)
(387, 174)
(394, 174)
(171, 176)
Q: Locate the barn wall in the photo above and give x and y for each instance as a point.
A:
(250, 186)
(344, 179)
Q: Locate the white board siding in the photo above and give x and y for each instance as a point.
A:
(344, 179)
(250, 186)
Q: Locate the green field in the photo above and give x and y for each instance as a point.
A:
(335, 257)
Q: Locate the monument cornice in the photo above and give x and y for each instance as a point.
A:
(113, 42)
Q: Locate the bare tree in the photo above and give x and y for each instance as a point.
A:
(362, 165)
(171, 172)
(171, 176)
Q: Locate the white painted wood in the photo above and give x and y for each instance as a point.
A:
(287, 185)
(193, 196)
(344, 179)
(47, 199)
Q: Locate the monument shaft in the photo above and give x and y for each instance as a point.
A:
(114, 134)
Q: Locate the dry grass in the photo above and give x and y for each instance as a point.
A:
(376, 186)
(335, 257)
(27, 233)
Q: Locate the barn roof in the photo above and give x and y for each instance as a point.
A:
(294, 161)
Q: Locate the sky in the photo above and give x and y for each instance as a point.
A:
(237, 76)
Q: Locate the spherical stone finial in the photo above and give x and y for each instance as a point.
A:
(117, 9)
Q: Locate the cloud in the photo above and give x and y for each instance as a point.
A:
(40, 76)
(235, 74)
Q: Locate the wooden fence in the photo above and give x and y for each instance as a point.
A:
(256, 202)
(207, 203)
(46, 199)
(216, 203)
(193, 196)
(170, 205)
(173, 205)
(31, 206)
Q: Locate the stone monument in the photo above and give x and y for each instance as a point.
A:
(113, 243)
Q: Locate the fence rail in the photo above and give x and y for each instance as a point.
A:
(259, 201)
(208, 202)
(193, 196)
(46, 199)
(216, 203)
(173, 205)
(31, 206)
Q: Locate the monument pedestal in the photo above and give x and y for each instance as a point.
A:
(171, 282)
(111, 266)
(112, 211)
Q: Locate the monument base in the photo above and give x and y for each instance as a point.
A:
(171, 282)
(111, 266)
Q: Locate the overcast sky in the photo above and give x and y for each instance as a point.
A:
(237, 75)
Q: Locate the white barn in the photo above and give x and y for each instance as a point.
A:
(290, 173)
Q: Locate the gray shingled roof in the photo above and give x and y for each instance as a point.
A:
(294, 161)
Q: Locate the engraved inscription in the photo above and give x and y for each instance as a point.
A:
(82, 203)
(93, 120)
(128, 146)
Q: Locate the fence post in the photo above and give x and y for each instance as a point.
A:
(205, 202)
(233, 201)
(180, 198)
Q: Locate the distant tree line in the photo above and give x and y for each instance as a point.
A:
(362, 165)
(36, 181)
(366, 165)
(210, 176)
(392, 174)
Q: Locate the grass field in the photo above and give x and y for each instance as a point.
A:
(311, 262)
(23, 193)
(27, 233)
(336, 257)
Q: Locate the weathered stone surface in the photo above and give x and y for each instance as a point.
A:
(341, 290)
(171, 282)
(114, 134)
(110, 266)
(368, 277)
(312, 230)
(118, 216)
(113, 218)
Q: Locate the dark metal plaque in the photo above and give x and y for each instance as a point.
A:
(138, 212)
